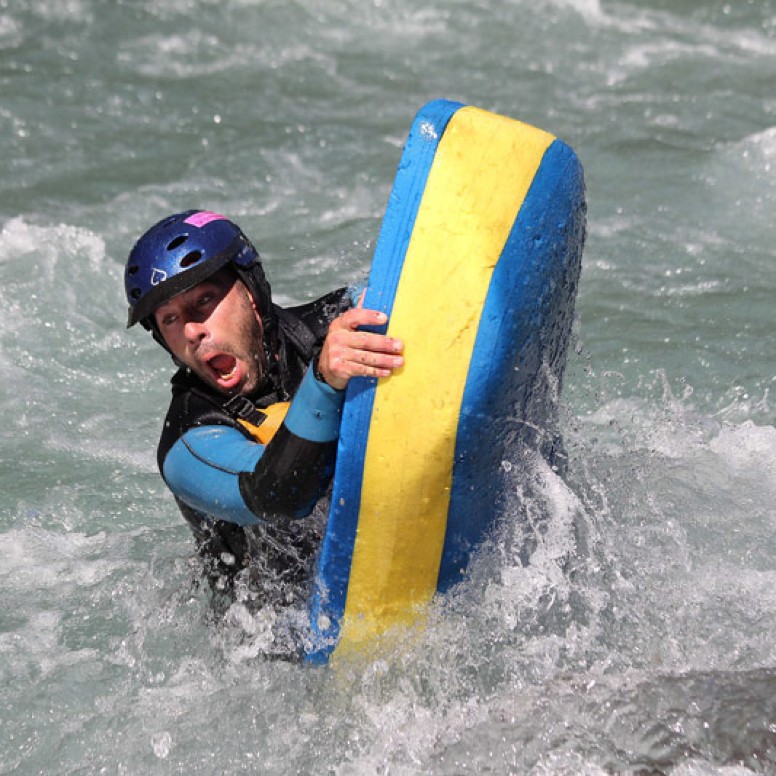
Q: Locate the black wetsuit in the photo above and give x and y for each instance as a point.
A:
(245, 501)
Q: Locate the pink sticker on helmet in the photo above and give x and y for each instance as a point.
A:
(205, 217)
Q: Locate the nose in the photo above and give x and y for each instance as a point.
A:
(195, 331)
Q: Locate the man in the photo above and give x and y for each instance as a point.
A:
(249, 440)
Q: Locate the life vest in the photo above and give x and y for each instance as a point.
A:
(273, 417)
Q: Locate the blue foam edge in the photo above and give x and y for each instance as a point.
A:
(524, 327)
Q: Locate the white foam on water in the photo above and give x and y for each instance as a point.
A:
(10, 31)
(589, 9)
(67, 11)
(39, 560)
(88, 441)
(541, 509)
(182, 55)
(758, 152)
(749, 450)
(699, 768)
(44, 267)
(687, 534)
(19, 238)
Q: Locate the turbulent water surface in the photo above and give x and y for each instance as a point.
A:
(639, 637)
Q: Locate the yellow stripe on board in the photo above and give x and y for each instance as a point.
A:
(480, 176)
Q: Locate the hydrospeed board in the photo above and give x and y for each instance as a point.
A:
(476, 265)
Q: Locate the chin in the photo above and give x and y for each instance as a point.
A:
(249, 386)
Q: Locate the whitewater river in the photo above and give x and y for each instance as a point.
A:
(639, 637)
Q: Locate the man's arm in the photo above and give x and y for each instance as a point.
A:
(219, 471)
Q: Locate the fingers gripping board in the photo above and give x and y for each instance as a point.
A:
(476, 265)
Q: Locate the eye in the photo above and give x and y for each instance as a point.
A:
(169, 319)
(205, 299)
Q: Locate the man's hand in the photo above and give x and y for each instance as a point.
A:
(348, 352)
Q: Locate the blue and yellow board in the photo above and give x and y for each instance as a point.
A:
(476, 265)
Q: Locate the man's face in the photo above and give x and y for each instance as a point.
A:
(214, 330)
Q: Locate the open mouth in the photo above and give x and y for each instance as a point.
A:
(224, 367)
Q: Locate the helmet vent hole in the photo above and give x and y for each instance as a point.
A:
(191, 258)
(136, 293)
(179, 240)
(132, 270)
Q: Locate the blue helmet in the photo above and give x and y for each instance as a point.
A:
(180, 252)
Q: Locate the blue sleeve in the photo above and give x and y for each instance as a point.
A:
(218, 471)
(203, 467)
(316, 411)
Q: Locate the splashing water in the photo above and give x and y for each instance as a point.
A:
(621, 617)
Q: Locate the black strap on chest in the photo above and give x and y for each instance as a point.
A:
(242, 408)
